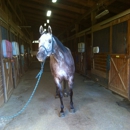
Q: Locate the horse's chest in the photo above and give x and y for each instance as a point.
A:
(59, 70)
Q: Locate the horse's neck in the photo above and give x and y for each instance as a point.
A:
(58, 54)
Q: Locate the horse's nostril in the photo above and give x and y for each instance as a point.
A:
(40, 55)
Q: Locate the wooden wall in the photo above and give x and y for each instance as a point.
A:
(109, 67)
(9, 30)
(1, 78)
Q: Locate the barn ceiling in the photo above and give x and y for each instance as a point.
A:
(66, 14)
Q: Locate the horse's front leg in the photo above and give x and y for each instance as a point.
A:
(70, 83)
(59, 90)
(57, 93)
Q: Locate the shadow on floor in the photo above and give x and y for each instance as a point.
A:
(124, 103)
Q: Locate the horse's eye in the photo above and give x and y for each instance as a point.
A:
(49, 41)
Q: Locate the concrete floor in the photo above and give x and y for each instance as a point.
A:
(96, 107)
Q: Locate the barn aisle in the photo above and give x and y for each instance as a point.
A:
(96, 107)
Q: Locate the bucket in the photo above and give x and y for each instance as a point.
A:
(15, 48)
(6, 49)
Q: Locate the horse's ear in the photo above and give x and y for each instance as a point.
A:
(41, 29)
(49, 30)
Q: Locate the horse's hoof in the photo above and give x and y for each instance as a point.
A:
(57, 96)
(72, 110)
(62, 114)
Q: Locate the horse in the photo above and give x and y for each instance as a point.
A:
(61, 64)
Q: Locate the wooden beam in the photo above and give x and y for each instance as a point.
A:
(42, 11)
(14, 11)
(40, 21)
(86, 3)
(125, 1)
(128, 38)
(55, 17)
(116, 17)
(61, 6)
(105, 2)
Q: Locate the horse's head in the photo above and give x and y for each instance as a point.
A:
(45, 44)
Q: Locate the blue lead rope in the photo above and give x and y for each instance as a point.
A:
(18, 113)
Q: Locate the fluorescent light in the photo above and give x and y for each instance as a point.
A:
(48, 13)
(35, 41)
(44, 24)
(102, 14)
(48, 21)
(54, 1)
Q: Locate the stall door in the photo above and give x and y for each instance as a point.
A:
(16, 73)
(119, 75)
(119, 68)
(8, 78)
(1, 78)
(1, 88)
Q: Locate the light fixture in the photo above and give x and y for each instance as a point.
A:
(48, 20)
(102, 14)
(44, 24)
(35, 41)
(45, 29)
(54, 1)
(48, 13)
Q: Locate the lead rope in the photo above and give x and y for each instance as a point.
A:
(4, 118)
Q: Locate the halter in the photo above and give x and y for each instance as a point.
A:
(52, 50)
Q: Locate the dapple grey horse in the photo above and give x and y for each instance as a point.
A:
(61, 63)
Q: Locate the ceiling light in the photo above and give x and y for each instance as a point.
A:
(45, 29)
(35, 41)
(48, 13)
(102, 14)
(44, 24)
(48, 21)
(54, 1)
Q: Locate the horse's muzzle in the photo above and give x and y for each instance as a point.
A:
(40, 56)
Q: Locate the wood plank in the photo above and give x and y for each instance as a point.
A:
(119, 73)
(83, 2)
(100, 61)
(57, 5)
(100, 64)
(122, 56)
(122, 93)
(119, 76)
(99, 73)
(101, 69)
(14, 11)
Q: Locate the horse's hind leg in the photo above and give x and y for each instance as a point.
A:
(70, 83)
(59, 90)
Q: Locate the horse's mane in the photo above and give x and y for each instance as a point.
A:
(59, 43)
(62, 47)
